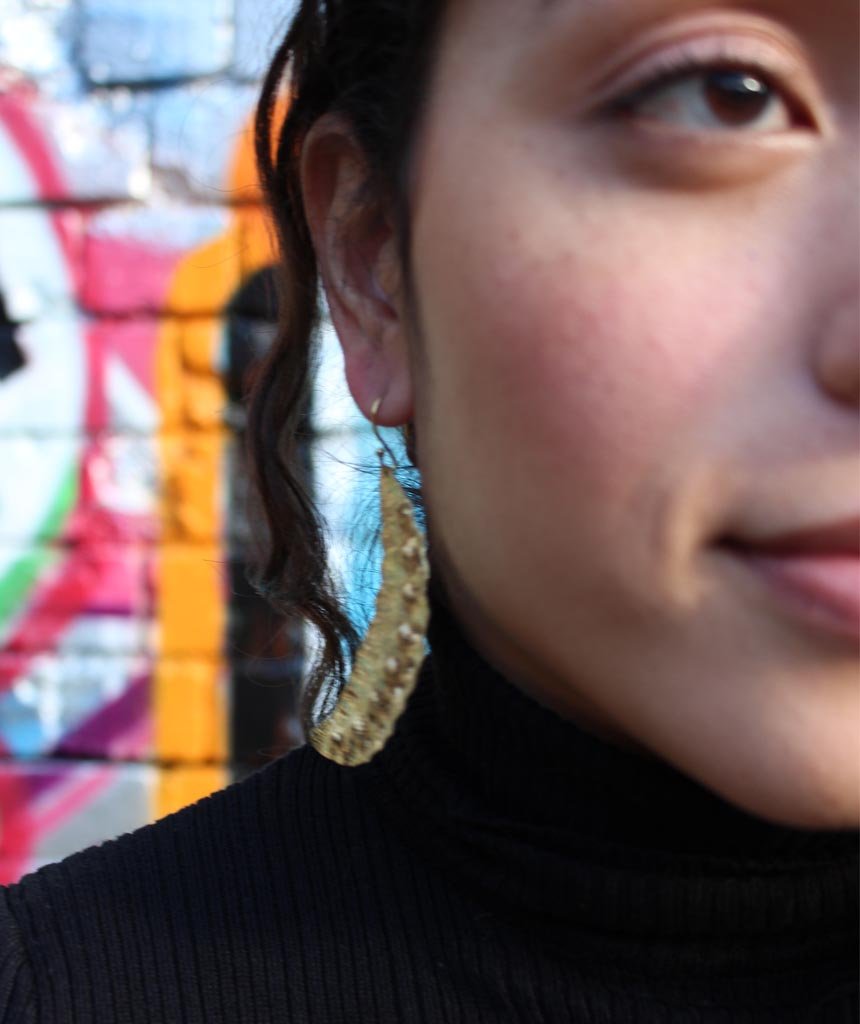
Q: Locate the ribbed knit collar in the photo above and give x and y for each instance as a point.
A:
(599, 849)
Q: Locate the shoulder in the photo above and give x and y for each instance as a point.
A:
(166, 911)
(17, 988)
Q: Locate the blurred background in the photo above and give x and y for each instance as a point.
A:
(138, 670)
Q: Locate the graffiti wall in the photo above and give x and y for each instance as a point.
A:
(138, 670)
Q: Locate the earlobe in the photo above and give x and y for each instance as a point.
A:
(385, 378)
(354, 241)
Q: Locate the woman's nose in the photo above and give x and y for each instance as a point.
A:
(836, 356)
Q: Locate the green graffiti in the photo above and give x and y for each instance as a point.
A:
(17, 582)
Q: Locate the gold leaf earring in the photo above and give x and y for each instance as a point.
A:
(386, 663)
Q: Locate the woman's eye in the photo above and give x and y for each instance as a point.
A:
(711, 98)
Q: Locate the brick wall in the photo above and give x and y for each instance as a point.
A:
(138, 671)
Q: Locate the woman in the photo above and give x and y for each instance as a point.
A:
(599, 260)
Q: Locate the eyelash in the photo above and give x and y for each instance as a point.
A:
(670, 68)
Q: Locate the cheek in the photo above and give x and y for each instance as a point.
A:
(576, 356)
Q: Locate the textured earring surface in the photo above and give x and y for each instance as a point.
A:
(386, 664)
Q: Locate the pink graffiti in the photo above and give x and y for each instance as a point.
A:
(104, 568)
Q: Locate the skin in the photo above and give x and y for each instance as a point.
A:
(635, 334)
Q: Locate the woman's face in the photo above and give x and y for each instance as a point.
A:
(639, 332)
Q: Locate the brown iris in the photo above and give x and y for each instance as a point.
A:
(736, 97)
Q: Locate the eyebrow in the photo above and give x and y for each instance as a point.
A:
(545, 6)
(548, 5)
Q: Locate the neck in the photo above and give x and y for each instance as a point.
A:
(548, 823)
(453, 601)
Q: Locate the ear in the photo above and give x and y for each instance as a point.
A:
(355, 245)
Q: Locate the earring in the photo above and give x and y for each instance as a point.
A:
(386, 663)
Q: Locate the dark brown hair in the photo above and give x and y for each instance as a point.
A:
(369, 61)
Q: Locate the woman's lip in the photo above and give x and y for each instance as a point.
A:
(837, 538)
(822, 587)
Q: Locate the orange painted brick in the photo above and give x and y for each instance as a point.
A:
(190, 710)
(191, 600)
(179, 787)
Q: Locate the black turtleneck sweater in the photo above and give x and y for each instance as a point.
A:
(492, 864)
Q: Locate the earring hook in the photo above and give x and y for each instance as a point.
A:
(374, 411)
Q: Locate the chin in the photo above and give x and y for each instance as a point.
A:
(796, 804)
